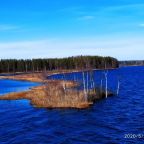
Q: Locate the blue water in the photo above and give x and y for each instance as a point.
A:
(98, 75)
(106, 122)
(7, 86)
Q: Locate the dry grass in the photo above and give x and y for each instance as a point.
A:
(36, 77)
(57, 96)
(53, 93)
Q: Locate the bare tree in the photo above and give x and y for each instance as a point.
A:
(106, 83)
(101, 85)
(92, 79)
(87, 81)
(84, 85)
(106, 80)
(118, 86)
(64, 85)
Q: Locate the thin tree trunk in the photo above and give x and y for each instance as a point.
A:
(64, 86)
(87, 81)
(85, 93)
(92, 81)
(106, 85)
(101, 86)
(118, 87)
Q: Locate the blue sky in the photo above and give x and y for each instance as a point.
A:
(60, 28)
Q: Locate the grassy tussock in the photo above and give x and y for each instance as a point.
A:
(53, 95)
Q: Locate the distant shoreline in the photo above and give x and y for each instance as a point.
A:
(50, 73)
(130, 66)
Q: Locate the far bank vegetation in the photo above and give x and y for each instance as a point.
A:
(70, 63)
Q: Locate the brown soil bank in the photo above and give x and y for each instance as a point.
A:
(54, 93)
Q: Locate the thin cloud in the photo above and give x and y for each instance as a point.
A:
(141, 25)
(125, 48)
(8, 27)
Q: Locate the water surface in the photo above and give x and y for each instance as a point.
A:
(106, 122)
(8, 86)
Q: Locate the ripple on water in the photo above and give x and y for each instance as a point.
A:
(107, 121)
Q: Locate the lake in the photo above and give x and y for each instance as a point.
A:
(108, 121)
(7, 86)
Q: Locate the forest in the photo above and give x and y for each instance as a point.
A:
(38, 65)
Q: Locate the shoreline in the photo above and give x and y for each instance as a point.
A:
(53, 72)
(52, 93)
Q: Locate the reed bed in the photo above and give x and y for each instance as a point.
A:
(55, 93)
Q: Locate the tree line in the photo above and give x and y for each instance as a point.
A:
(37, 65)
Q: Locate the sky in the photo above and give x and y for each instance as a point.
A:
(62, 28)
